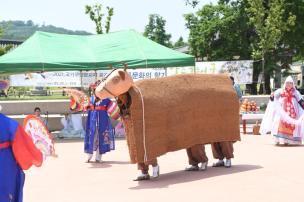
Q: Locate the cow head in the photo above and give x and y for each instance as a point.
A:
(116, 83)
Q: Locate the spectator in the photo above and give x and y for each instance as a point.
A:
(72, 124)
(237, 88)
(37, 113)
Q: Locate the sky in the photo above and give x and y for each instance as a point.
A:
(128, 14)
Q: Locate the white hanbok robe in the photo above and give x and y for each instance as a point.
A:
(275, 113)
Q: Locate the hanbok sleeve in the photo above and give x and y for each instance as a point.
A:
(108, 102)
(25, 151)
(268, 118)
(299, 100)
(298, 96)
(276, 94)
(270, 113)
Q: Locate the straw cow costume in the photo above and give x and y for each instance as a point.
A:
(173, 113)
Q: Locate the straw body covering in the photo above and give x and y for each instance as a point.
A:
(179, 112)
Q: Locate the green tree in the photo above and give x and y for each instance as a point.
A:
(192, 3)
(248, 28)
(271, 24)
(109, 17)
(96, 15)
(293, 39)
(155, 30)
(180, 42)
(219, 32)
(5, 49)
(2, 50)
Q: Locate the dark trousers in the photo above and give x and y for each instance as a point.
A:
(196, 154)
(221, 150)
(144, 167)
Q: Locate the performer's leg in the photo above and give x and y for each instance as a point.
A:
(191, 159)
(144, 175)
(144, 168)
(193, 164)
(98, 156)
(153, 162)
(199, 154)
(204, 158)
(227, 150)
(89, 157)
(196, 154)
(92, 146)
(155, 167)
(217, 154)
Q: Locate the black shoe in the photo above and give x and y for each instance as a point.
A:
(142, 177)
(220, 163)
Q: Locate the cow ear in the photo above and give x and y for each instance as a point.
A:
(122, 75)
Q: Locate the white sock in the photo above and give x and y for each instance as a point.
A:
(89, 157)
(98, 156)
(204, 165)
(155, 171)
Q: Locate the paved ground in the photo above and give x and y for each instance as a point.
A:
(261, 172)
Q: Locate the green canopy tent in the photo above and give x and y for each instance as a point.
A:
(59, 52)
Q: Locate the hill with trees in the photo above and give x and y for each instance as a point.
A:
(21, 30)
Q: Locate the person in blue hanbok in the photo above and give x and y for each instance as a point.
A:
(17, 153)
(99, 135)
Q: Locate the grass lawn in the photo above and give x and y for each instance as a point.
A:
(51, 97)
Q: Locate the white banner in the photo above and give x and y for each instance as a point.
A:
(179, 70)
(47, 79)
(73, 78)
(242, 70)
(137, 74)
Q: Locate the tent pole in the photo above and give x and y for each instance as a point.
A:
(95, 75)
(194, 69)
(81, 79)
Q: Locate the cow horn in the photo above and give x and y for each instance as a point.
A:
(125, 67)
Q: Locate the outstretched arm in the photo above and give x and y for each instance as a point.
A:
(271, 97)
(299, 99)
